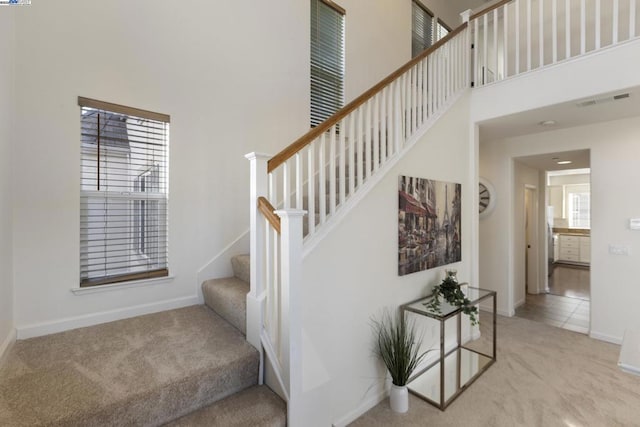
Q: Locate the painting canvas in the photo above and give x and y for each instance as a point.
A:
(428, 224)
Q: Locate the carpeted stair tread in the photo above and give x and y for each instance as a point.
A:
(241, 267)
(256, 406)
(228, 298)
(142, 371)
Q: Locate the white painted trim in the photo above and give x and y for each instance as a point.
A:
(519, 303)
(605, 337)
(120, 286)
(352, 201)
(6, 345)
(46, 328)
(365, 406)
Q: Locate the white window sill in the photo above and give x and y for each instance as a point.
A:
(120, 286)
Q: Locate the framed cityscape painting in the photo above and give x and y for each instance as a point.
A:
(428, 224)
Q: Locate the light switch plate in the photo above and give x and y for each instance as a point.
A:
(620, 250)
(634, 223)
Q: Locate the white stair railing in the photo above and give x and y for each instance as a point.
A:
(319, 174)
(517, 36)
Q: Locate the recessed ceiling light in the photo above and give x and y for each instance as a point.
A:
(564, 162)
(548, 123)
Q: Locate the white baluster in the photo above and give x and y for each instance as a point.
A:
(359, 147)
(406, 83)
(311, 188)
(529, 30)
(541, 31)
(476, 47)
(430, 85)
(342, 165)
(352, 152)
(286, 185)
(322, 179)
(425, 88)
(367, 139)
(616, 11)
(376, 131)
(554, 31)
(384, 116)
(517, 31)
(495, 44)
(332, 171)
(505, 37)
(583, 27)
(598, 24)
(397, 115)
(567, 25)
(413, 86)
(485, 49)
(632, 19)
(299, 179)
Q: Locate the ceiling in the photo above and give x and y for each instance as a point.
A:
(580, 159)
(564, 115)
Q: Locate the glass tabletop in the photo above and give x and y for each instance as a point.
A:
(423, 307)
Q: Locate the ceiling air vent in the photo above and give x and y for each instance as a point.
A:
(603, 100)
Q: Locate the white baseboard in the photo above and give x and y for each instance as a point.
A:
(6, 345)
(604, 337)
(519, 303)
(360, 410)
(46, 328)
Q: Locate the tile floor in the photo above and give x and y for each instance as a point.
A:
(569, 308)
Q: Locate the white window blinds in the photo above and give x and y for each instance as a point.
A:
(422, 29)
(124, 193)
(327, 60)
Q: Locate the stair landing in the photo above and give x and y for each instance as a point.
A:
(147, 370)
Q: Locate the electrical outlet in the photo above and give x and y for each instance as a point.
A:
(624, 250)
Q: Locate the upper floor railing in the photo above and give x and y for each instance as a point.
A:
(517, 36)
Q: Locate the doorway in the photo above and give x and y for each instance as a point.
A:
(555, 228)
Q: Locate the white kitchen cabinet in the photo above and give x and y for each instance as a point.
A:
(585, 249)
(574, 249)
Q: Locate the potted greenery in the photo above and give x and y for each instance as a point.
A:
(398, 346)
(449, 290)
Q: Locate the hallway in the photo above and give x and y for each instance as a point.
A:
(566, 305)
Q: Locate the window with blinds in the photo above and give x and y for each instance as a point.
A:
(442, 29)
(327, 60)
(124, 193)
(422, 28)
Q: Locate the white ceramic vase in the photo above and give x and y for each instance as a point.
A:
(399, 398)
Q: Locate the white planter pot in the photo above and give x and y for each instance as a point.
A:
(399, 398)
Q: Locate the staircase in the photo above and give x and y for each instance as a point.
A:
(186, 367)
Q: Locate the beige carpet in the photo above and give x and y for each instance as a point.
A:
(544, 376)
(143, 371)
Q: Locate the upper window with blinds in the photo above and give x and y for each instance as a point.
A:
(124, 193)
(327, 60)
(442, 29)
(422, 28)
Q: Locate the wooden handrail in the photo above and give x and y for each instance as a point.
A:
(310, 136)
(489, 9)
(268, 211)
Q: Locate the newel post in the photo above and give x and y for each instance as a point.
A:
(255, 298)
(291, 296)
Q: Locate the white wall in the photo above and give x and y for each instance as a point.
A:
(6, 114)
(615, 149)
(229, 89)
(341, 339)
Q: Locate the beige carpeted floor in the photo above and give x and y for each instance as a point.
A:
(544, 376)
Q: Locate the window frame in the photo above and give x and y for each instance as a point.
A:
(124, 195)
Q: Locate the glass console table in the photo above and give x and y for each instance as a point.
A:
(459, 363)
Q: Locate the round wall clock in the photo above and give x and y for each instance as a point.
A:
(487, 197)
